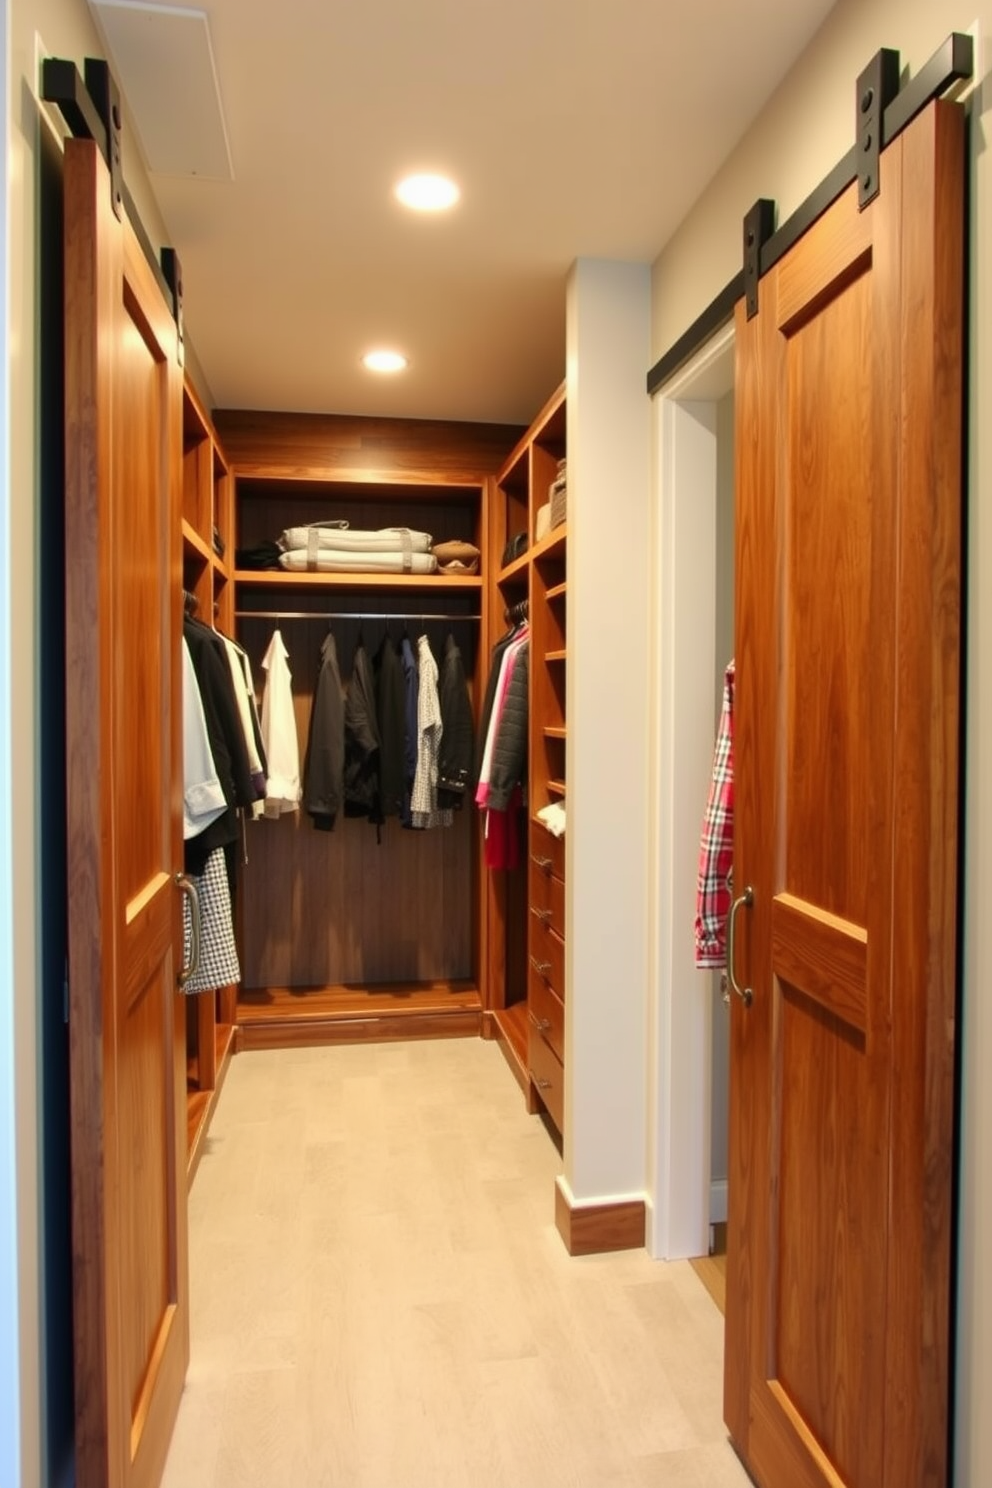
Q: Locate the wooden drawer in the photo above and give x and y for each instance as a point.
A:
(547, 853)
(548, 1077)
(545, 1016)
(547, 899)
(546, 952)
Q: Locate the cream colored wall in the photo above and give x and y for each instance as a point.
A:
(802, 133)
(61, 28)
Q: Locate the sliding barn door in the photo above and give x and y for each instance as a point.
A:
(848, 469)
(126, 1023)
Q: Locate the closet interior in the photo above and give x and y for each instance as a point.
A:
(365, 931)
(375, 931)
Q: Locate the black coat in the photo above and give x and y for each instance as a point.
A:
(361, 742)
(323, 770)
(454, 766)
(227, 741)
(390, 703)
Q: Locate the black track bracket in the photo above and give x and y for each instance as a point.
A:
(102, 87)
(759, 224)
(877, 86)
(173, 271)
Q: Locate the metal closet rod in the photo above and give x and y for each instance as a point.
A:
(346, 615)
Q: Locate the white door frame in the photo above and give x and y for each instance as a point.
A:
(684, 631)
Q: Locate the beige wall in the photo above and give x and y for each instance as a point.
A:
(61, 28)
(805, 129)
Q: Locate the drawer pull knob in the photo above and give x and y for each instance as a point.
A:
(541, 967)
(544, 915)
(544, 864)
(544, 1084)
(541, 1024)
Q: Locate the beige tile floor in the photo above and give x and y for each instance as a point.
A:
(380, 1298)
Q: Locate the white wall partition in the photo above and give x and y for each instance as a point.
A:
(684, 626)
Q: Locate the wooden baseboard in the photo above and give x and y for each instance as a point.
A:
(588, 1229)
(200, 1104)
(309, 1033)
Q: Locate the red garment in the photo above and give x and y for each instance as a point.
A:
(502, 838)
(714, 889)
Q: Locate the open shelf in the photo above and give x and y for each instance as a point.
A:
(267, 578)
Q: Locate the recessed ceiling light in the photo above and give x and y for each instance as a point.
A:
(427, 193)
(384, 361)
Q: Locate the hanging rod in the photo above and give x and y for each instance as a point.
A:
(346, 615)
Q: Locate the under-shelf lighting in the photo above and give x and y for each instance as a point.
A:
(426, 192)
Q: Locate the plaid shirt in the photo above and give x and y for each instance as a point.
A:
(716, 851)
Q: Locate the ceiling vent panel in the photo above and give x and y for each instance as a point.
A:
(162, 59)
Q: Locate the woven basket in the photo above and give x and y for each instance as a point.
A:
(559, 496)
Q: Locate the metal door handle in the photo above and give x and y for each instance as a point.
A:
(186, 886)
(744, 993)
(544, 915)
(541, 1024)
(543, 863)
(541, 967)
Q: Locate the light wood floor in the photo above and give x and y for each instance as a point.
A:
(380, 1298)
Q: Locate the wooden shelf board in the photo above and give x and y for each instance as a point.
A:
(271, 579)
(556, 787)
(287, 1017)
(192, 539)
(517, 570)
(261, 1004)
(557, 591)
(201, 1104)
(551, 546)
(554, 732)
(556, 655)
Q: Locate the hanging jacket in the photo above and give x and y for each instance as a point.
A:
(227, 741)
(323, 770)
(411, 687)
(509, 759)
(714, 887)
(424, 798)
(455, 758)
(361, 742)
(390, 704)
(279, 736)
(489, 699)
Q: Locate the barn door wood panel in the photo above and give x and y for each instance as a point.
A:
(848, 470)
(126, 1024)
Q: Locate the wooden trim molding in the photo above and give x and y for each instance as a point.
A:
(589, 1229)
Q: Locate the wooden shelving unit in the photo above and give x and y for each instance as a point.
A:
(528, 903)
(206, 527)
(344, 936)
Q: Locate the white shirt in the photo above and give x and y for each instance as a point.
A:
(423, 798)
(279, 738)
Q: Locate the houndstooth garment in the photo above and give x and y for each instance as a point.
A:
(219, 965)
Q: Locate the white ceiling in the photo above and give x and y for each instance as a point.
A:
(574, 127)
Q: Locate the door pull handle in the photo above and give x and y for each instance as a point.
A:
(745, 994)
(186, 886)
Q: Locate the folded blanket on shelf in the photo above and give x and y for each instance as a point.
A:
(344, 539)
(330, 560)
